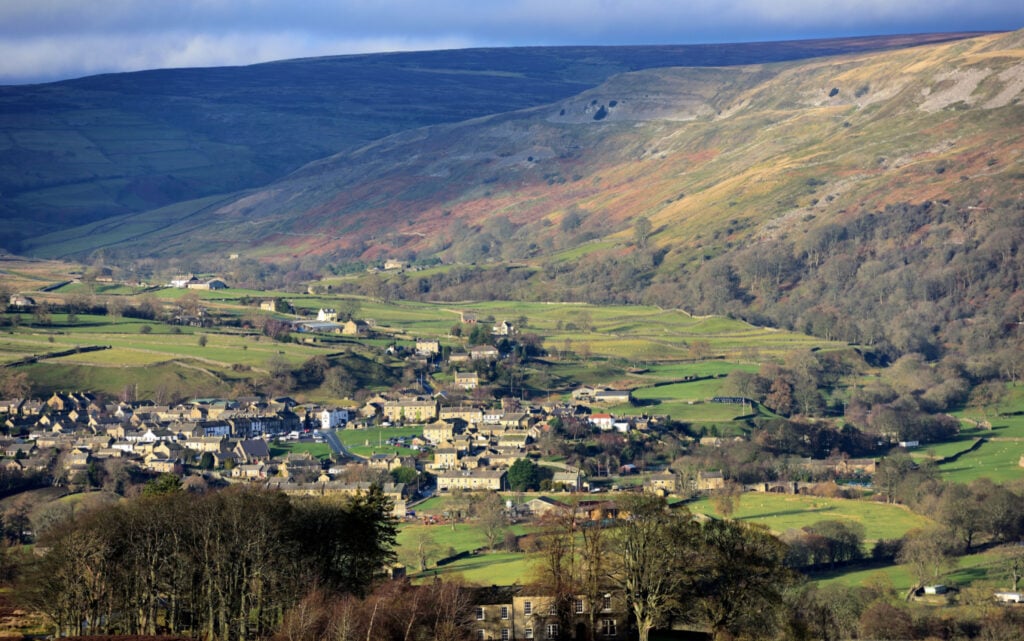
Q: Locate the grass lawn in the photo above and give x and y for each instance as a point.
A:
(781, 512)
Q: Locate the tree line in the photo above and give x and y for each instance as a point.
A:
(223, 565)
(722, 575)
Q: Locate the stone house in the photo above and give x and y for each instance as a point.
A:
(508, 613)
(471, 480)
(662, 483)
(355, 328)
(411, 410)
(710, 481)
(467, 380)
(439, 432)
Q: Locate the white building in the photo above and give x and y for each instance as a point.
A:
(330, 419)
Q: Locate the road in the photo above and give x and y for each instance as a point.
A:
(332, 440)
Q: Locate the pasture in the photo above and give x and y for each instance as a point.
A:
(999, 458)
(781, 512)
(981, 567)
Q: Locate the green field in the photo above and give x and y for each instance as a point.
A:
(318, 450)
(982, 566)
(626, 346)
(373, 440)
(781, 512)
(484, 567)
(487, 568)
(997, 460)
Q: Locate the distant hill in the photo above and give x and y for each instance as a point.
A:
(873, 197)
(82, 150)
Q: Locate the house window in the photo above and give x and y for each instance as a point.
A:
(552, 631)
(504, 612)
(579, 606)
(504, 634)
(528, 633)
(527, 607)
(479, 614)
(606, 604)
(553, 609)
(481, 634)
(608, 627)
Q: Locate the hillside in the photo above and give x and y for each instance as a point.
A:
(81, 150)
(872, 198)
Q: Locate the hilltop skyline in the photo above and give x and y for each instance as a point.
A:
(59, 39)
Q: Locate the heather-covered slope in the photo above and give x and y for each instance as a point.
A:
(873, 198)
(82, 150)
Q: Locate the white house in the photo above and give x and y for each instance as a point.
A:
(327, 314)
(330, 419)
(603, 422)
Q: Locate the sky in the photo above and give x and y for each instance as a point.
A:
(43, 40)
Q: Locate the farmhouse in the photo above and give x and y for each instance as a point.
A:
(21, 302)
(483, 353)
(663, 483)
(603, 422)
(504, 328)
(355, 328)
(571, 479)
(707, 481)
(182, 281)
(507, 613)
(427, 348)
(471, 480)
(467, 380)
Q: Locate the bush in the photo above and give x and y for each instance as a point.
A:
(886, 549)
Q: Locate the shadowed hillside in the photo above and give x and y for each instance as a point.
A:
(82, 150)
